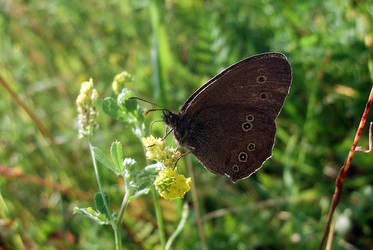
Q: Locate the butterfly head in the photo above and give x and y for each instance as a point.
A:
(170, 118)
(178, 124)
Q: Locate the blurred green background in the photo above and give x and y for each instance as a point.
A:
(47, 48)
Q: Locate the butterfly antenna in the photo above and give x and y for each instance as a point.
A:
(151, 110)
(152, 103)
(140, 99)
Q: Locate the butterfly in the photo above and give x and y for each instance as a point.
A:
(229, 122)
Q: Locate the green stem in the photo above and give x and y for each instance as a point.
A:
(125, 202)
(115, 226)
(98, 179)
(158, 50)
(183, 219)
(118, 242)
(158, 213)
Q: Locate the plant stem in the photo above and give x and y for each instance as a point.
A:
(115, 226)
(158, 213)
(125, 202)
(195, 205)
(118, 242)
(342, 174)
(180, 227)
(98, 179)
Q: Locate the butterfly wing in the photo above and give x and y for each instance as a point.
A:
(262, 81)
(232, 117)
(233, 141)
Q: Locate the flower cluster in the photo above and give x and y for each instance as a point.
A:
(169, 184)
(120, 80)
(87, 113)
(158, 151)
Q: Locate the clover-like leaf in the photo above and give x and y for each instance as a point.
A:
(92, 214)
(116, 151)
(110, 107)
(101, 157)
(141, 181)
(99, 202)
(131, 105)
(139, 193)
(122, 98)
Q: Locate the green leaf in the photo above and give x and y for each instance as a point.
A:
(129, 164)
(110, 107)
(92, 214)
(131, 105)
(139, 193)
(143, 180)
(101, 157)
(116, 151)
(99, 202)
(129, 168)
(123, 97)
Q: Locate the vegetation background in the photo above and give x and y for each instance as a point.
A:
(47, 48)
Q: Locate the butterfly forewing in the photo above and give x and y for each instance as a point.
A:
(261, 81)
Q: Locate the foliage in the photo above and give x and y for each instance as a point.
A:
(171, 48)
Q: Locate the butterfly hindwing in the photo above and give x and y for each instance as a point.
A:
(234, 131)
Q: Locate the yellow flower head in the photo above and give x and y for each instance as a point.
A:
(171, 185)
(86, 87)
(120, 80)
(158, 151)
(87, 113)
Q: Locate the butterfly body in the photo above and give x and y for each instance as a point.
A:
(229, 122)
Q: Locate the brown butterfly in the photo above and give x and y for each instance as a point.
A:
(229, 122)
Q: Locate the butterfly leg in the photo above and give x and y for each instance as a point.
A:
(167, 132)
(152, 123)
(181, 156)
(370, 142)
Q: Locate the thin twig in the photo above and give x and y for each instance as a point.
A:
(17, 173)
(361, 149)
(33, 117)
(329, 243)
(344, 169)
(195, 204)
